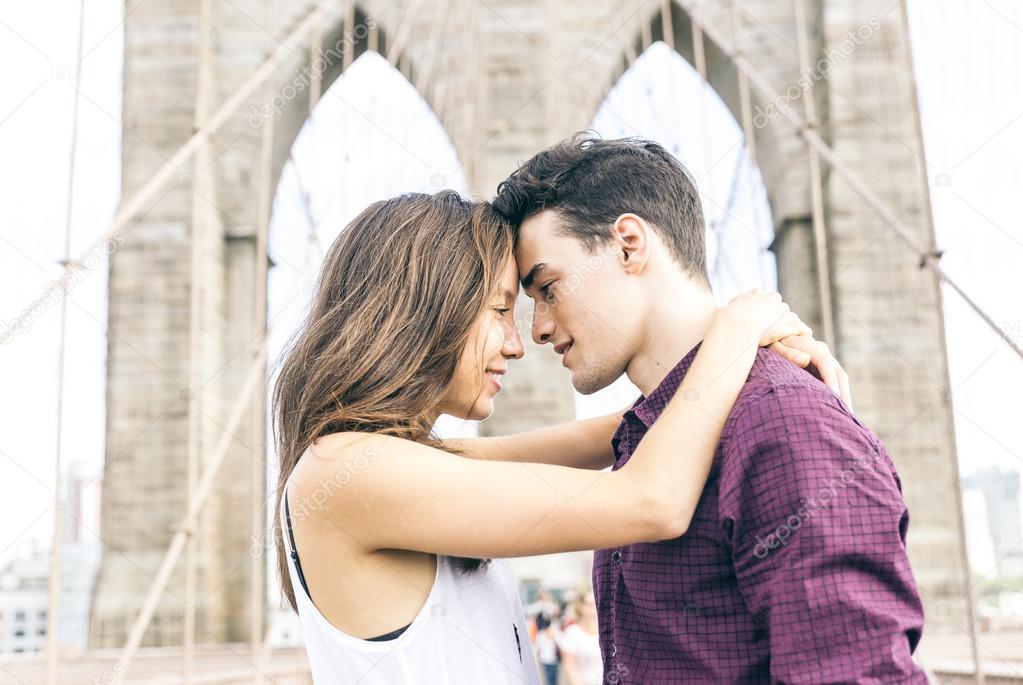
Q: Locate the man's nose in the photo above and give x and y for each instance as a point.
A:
(543, 325)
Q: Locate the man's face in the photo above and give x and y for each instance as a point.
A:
(585, 303)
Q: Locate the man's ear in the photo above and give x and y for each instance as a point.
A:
(631, 234)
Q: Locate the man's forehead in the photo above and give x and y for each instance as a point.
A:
(536, 241)
(530, 270)
(540, 224)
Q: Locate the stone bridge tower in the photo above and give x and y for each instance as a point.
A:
(506, 78)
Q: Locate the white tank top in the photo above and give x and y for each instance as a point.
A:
(471, 630)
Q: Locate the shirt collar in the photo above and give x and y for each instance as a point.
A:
(648, 409)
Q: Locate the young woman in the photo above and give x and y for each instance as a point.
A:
(386, 532)
(580, 644)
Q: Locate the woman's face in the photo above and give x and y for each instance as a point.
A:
(587, 607)
(494, 341)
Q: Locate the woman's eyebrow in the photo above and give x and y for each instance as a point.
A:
(505, 297)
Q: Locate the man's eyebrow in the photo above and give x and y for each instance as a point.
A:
(527, 282)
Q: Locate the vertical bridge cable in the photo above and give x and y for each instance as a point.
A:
(422, 80)
(820, 237)
(745, 104)
(315, 73)
(257, 466)
(397, 48)
(348, 30)
(667, 25)
(203, 92)
(56, 545)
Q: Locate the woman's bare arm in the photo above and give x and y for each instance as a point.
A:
(578, 444)
(396, 494)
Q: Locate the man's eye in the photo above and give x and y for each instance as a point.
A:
(545, 290)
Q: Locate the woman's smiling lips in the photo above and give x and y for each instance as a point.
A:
(495, 378)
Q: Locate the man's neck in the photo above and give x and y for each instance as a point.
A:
(678, 320)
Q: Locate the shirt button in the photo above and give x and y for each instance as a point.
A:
(614, 650)
(616, 555)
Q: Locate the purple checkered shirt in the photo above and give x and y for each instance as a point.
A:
(794, 568)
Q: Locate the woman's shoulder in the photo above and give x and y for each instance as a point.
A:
(336, 458)
(334, 444)
(351, 443)
(334, 451)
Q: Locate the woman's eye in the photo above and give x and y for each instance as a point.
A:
(502, 310)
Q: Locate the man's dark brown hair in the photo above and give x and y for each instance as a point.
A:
(590, 182)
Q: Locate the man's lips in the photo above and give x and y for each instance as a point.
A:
(562, 349)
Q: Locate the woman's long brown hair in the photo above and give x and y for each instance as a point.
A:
(397, 299)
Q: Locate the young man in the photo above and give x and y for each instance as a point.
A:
(794, 568)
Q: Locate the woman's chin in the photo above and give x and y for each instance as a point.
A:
(482, 410)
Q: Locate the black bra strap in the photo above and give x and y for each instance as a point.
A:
(294, 550)
(388, 636)
(301, 576)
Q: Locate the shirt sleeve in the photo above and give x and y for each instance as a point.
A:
(815, 515)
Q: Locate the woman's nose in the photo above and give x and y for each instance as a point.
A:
(513, 347)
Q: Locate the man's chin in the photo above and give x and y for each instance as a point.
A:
(586, 384)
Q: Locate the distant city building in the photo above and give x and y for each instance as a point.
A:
(979, 541)
(23, 598)
(1001, 494)
(24, 585)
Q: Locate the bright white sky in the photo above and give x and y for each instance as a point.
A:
(968, 54)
